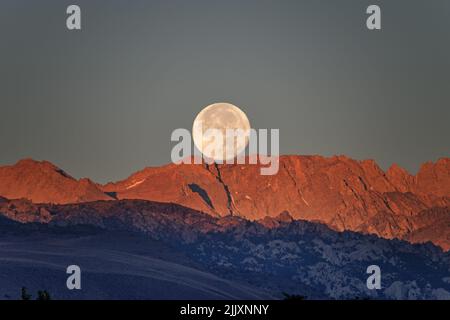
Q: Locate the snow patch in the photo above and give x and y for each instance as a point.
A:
(135, 184)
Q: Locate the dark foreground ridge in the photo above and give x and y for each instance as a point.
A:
(134, 249)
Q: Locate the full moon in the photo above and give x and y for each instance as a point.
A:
(221, 116)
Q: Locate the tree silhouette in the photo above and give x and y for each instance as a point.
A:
(290, 297)
(43, 295)
(24, 294)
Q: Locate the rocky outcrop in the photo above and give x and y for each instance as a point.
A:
(345, 194)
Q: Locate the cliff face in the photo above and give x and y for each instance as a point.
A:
(341, 192)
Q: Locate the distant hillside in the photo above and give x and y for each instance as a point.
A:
(141, 249)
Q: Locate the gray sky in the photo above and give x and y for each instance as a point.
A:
(102, 102)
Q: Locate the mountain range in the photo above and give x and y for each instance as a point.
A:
(226, 232)
(342, 193)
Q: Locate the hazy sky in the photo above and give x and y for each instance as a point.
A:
(102, 102)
